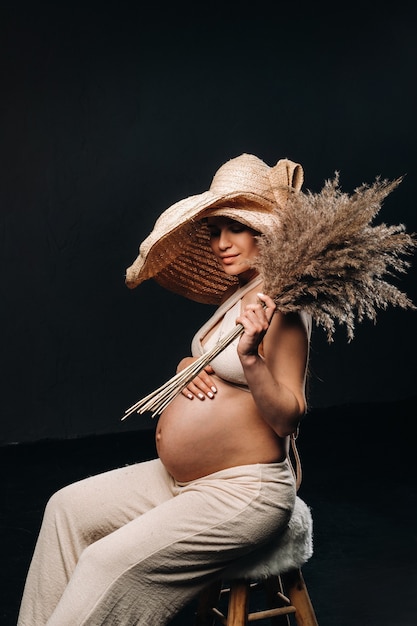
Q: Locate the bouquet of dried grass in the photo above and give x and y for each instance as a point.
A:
(327, 259)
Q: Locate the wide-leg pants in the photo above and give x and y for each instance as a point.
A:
(133, 546)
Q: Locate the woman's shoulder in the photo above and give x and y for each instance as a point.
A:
(294, 323)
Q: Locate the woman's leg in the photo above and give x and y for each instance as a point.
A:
(79, 515)
(144, 573)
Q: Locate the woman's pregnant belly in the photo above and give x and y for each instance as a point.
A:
(198, 437)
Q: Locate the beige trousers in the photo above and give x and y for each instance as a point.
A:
(132, 546)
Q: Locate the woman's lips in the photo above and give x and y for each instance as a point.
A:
(228, 260)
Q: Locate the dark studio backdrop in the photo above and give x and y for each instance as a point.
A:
(108, 116)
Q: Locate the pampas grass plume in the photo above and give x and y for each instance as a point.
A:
(329, 260)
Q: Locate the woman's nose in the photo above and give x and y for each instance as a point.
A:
(224, 241)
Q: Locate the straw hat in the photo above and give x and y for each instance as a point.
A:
(177, 253)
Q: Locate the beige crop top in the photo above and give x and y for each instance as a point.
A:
(227, 364)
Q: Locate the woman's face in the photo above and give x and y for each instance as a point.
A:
(233, 244)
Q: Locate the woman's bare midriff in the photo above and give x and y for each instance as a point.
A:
(198, 437)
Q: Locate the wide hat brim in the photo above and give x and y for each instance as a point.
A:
(177, 253)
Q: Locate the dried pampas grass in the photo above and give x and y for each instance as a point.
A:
(328, 260)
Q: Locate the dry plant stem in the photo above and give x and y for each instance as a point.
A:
(159, 399)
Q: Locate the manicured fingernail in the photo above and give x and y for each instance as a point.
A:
(210, 395)
(201, 396)
(190, 396)
(214, 390)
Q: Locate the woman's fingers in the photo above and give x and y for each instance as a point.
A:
(201, 386)
(255, 319)
(268, 305)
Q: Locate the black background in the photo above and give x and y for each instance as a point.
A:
(108, 116)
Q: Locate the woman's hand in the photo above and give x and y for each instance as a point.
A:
(202, 385)
(255, 320)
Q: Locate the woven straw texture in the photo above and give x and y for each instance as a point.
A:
(177, 253)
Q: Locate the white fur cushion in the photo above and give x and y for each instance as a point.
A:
(290, 550)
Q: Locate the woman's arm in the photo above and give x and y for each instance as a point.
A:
(276, 377)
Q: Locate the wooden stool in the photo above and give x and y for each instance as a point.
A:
(275, 570)
(286, 598)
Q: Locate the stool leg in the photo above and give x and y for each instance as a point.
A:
(237, 614)
(296, 590)
(208, 599)
(273, 587)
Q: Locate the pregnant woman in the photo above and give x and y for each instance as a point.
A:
(134, 545)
